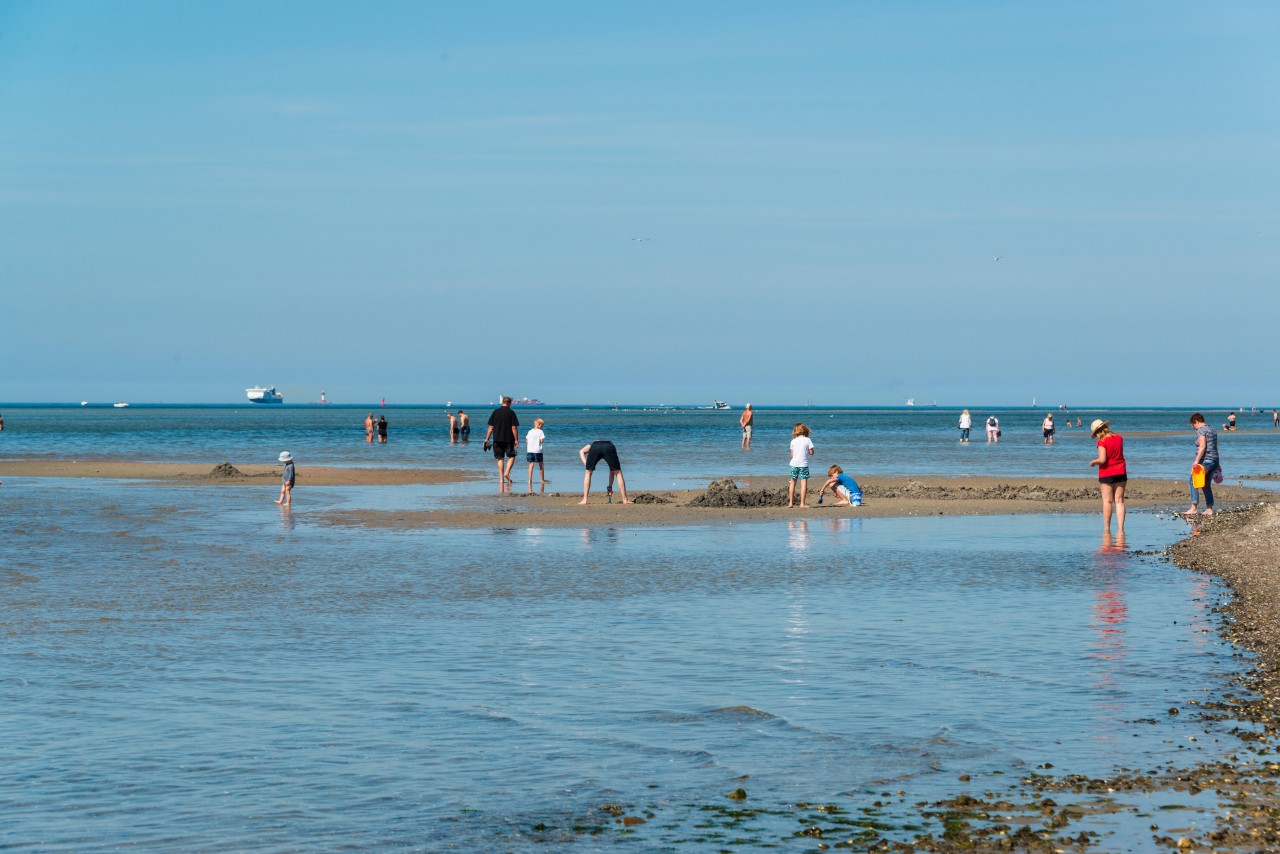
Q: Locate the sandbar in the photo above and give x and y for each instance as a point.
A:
(884, 497)
(228, 474)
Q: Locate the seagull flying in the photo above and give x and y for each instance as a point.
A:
(996, 257)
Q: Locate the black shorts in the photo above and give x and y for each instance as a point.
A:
(503, 449)
(1114, 478)
(602, 449)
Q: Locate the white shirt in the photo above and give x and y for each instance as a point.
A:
(801, 448)
(965, 421)
(533, 441)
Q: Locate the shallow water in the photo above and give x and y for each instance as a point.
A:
(189, 667)
(659, 448)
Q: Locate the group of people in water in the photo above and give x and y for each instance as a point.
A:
(1048, 428)
(503, 438)
(375, 427)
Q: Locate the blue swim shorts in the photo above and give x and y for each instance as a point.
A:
(534, 458)
(799, 472)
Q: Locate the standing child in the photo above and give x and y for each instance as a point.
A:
(801, 450)
(843, 487)
(286, 479)
(533, 441)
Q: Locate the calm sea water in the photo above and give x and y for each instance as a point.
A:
(188, 667)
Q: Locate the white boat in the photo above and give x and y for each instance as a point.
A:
(84, 403)
(911, 401)
(259, 394)
(719, 404)
(119, 405)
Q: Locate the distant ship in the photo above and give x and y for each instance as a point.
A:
(120, 405)
(527, 401)
(264, 395)
(719, 404)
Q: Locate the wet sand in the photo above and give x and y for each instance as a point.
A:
(226, 473)
(884, 497)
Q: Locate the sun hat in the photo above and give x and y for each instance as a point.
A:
(286, 457)
(1097, 425)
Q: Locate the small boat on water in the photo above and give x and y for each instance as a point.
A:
(264, 394)
(719, 404)
(117, 405)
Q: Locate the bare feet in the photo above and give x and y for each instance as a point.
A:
(583, 501)
(278, 502)
(1208, 512)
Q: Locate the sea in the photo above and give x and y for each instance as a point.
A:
(189, 667)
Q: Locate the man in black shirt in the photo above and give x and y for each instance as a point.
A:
(503, 425)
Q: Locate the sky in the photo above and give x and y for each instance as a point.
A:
(652, 202)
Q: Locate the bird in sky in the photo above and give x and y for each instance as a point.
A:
(996, 257)
(645, 239)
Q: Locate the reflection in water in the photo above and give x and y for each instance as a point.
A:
(1110, 612)
(799, 538)
(1113, 545)
(286, 518)
(844, 525)
(595, 536)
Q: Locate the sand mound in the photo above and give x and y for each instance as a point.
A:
(225, 471)
(725, 493)
(650, 498)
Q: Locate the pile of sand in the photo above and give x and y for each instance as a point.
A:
(725, 493)
(225, 471)
(650, 498)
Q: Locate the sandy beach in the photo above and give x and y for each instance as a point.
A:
(226, 473)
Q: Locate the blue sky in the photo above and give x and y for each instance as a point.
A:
(438, 201)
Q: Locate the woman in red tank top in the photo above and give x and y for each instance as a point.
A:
(1112, 474)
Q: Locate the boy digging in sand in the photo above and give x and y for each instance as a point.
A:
(844, 488)
(286, 479)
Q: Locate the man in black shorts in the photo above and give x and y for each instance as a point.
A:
(503, 431)
(602, 449)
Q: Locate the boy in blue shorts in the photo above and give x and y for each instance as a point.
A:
(845, 488)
